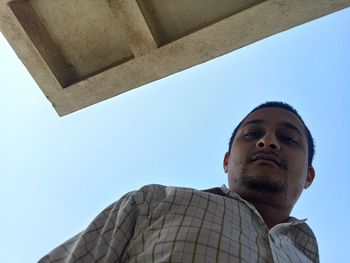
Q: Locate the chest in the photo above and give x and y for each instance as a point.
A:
(196, 229)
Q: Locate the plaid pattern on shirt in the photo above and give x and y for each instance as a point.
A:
(174, 224)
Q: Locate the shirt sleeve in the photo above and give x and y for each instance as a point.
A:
(105, 239)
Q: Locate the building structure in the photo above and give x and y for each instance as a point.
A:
(85, 51)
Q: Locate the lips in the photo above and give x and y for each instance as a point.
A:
(268, 157)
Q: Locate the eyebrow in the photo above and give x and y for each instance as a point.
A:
(256, 121)
(285, 124)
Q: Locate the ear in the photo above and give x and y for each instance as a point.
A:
(225, 162)
(310, 177)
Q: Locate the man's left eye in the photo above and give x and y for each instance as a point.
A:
(288, 140)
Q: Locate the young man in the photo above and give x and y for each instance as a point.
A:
(268, 164)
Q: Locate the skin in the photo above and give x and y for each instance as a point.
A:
(268, 163)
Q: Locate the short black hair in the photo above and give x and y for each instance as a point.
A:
(285, 106)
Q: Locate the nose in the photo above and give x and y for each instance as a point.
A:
(268, 142)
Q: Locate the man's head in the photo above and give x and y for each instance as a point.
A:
(281, 105)
(270, 155)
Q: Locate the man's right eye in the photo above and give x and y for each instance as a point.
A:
(252, 134)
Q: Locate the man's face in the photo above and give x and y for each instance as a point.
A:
(268, 161)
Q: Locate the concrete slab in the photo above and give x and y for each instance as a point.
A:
(85, 51)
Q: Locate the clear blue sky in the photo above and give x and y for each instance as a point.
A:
(58, 173)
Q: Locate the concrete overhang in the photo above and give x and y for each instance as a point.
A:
(85, 51)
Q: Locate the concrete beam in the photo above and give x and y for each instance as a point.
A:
(42, 41)
(135, 28)
(30, 56)
(256, 23)
(112, 68)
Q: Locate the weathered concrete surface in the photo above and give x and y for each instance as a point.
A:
(84, 51)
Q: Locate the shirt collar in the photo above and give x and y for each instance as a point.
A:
(290, 222)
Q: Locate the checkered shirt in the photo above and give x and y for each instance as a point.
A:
(174, 224)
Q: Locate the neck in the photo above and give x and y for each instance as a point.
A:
(272, 214)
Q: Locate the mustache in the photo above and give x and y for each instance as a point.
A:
(276, 157)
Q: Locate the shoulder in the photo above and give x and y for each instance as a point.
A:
(153, 195)
(162, 189)
(304, 238)
(159, 192)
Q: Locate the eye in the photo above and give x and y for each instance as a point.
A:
(287, 140)
(252, 134)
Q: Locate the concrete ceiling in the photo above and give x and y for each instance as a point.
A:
(85, 51)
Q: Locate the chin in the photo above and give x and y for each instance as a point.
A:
(263, 184)
(265, 172)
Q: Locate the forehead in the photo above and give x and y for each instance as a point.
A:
(276, 117)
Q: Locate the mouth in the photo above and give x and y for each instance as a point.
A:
(264, 160)
(267, 158)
